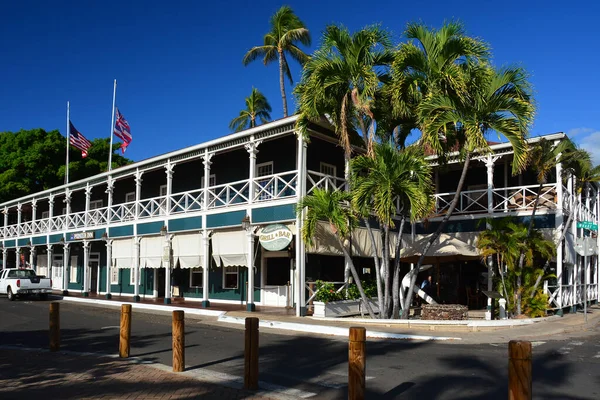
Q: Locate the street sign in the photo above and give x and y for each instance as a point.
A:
(586, 246)
(587, 225)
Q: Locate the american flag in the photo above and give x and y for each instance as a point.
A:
(123, 131)
(78, 140)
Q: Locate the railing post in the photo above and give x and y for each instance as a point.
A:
(178, 341)
(125, 332)
(519, 370)
(251, 354)
(356, 363)
(54, 326)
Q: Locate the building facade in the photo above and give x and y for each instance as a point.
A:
(188, 223)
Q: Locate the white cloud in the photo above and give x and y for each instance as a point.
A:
(588, 139)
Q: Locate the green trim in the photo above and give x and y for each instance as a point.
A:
(185, 224)
(23, 242)
(118, 231)
(39, 240)
(9, 243)
(233, 218)
(149, 228)
(284, 212)
(53, 239)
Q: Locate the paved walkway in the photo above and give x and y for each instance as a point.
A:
(30, 374)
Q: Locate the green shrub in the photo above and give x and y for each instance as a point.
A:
(327, 292)
(536, 306)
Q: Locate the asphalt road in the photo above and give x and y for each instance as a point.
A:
(317, 365)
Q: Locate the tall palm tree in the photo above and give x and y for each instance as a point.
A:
(257, 108)
(335, 208)
(380, 184)
(287, 30)
(494, 101)
(341, 80)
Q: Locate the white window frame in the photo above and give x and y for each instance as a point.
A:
(228, 271)
(267, 191)
(114, 275)
(132, 275)
(72, 273)
(265, 164)
(57, 259)
(327, 166)
(95, 204)
(212, 181)
(45, 214)
(162, 190)
(197, 271)
(129, 197)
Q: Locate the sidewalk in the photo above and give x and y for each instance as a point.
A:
(29, 374)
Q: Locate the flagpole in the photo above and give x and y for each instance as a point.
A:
(112, 127)
(68, 140)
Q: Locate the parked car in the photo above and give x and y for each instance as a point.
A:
(24, 282)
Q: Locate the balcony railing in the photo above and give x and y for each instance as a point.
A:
(317, 180)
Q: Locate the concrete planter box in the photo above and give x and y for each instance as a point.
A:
(342, 308)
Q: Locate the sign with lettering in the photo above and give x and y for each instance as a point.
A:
(82, 235)
(587, 225)
(275, 237)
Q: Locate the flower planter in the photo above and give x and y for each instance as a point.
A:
(342, 308)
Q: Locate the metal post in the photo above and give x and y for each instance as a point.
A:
(251, 354)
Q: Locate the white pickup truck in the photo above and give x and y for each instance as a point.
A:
(23, 282)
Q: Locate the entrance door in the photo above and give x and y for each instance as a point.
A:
(57, 271)
(276, 290)
(160, 282)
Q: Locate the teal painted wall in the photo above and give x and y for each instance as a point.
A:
(185, 224)
(149, 228)
(22, 242)
(118, 231)
(226, 219)
(38, 240)
(272, 214)
(9, 243)
(54, 238)
(146, 282)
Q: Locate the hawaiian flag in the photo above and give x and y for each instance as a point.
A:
(78, 140)
(123, 131)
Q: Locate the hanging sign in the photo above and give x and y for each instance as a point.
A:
(275, 237)
(82, 235)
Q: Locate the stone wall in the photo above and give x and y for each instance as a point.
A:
(444, 312)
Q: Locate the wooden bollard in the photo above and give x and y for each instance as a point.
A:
(519, 370)
(178, 341)
(251, 354)
(125, 332)
(54, 326)
(356, 363)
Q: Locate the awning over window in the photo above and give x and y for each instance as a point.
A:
(151, 251)
(188, 250)
(446, 247)
(123, 253)
(230, 248)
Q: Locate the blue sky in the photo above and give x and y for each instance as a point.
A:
(179, 64)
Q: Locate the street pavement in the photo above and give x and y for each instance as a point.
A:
(292, 365)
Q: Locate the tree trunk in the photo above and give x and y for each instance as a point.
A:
(282, 83)
(396, 293)
(356, 278)
(376, 263)
(522, 254)
(558, 243)
(438, 232)
(388, 275)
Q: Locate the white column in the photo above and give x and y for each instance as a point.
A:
(49, 261)
(250, 301)
(136, 268)
(205, 265)
(167, 263)
(558, 227)
(88, 197)
(86, 267)
(66, 263)
(67, 202)
(138, 192)
(32, 260)
(33, 215)
(50, 211)
(207, 163)
(19, 216)
(252, 148)
(597, 258)
(5, 212)
(108, 267)
(169, 166)
(110, 185)
(489, 164)
(17, 257)
(300, 251)
(4, 256)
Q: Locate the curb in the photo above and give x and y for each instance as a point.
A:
(508, 323)
(330, 330)
(142, 306)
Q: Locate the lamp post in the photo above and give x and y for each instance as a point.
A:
(585, 246)
(247, 226)
(108, 244)
(166, 259)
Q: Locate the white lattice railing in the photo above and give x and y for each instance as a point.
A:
(12, 231)
(58, 223)
(41, 226)
(187, 201)
(322, 181)
(76, 220)
(26, 228)
(122, 212)
(276, 186)
(523, 197)
(152, 207)
(228, 194)
(470, 201)
(98, 216)
(566, 293)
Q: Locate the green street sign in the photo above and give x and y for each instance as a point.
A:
(587, 225)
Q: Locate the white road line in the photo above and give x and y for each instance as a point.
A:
(597, 355)
(576, 343)
(111, 327)
(535, 344)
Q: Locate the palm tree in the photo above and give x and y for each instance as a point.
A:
(494, 101)
(333, 207)
(287, 30)
(341, 80)
(382, 183)
(257, 107)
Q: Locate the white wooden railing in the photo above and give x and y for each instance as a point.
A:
(322, 181)
(187, 201)
(276, 186)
